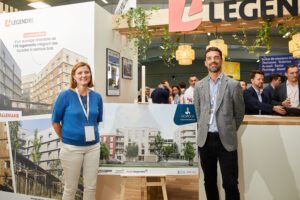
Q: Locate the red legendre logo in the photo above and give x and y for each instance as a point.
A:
(231, 11)
(12, 22)
(6, 115)
(176, 9)
(7, 23)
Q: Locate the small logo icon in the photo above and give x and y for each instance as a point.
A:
(187, 112)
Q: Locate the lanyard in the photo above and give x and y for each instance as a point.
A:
(292, 93)
(87, 111)
(214, 92)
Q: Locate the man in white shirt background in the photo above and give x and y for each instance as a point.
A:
(287, 94)
(188, 96)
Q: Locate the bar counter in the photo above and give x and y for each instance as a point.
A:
(270, 120)
(269, 161)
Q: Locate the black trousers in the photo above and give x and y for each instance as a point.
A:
(212, 152)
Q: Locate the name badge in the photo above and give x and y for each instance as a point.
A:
(89, 133)
(212, 111)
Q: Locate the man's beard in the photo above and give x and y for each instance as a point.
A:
(260, 86)
(215, 69)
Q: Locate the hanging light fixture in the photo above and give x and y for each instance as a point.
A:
(220, 44)
(294, 45)
(185, 54)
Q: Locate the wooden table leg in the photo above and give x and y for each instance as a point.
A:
(144, 193)
(164, 188)
(123, 185)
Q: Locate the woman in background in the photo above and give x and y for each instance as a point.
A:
(76, 114)
(176, 95)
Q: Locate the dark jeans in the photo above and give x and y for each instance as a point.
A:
(212, 152)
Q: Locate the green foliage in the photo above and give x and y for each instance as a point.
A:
(189, 152)
(175, 148)
(262, 38)
(14, 129)
(132, 150)
(286, 31)
(158, 146)
(167, 151)
(169, 48)
(263, 35)
(35, 154)
(55, 167)
(104, 152)
(139, 34)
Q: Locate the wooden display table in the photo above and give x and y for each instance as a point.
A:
(145, 184)
(270, 120)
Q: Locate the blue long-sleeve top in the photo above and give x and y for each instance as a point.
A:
(68, 111)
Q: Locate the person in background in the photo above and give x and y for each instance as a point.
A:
(220, 111)
(176, 95)
(162, 93)
(243, 85)
(147, 94)
(188, 96)
(287, 94)
(274, 81)
(256, 102)
(182, 86)
(76, 114)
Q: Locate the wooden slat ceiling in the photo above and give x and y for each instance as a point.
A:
(224, 26)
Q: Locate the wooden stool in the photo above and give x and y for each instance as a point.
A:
(145, 184)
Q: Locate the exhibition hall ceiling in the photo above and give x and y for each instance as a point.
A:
(110, 6)
(199, 41)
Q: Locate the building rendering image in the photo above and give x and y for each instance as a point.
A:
(145, 138)
(5, 164)
(34, 93)
(10, 74)
(35, 153)
(54, 77)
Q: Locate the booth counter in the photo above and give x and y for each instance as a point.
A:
(269, 164)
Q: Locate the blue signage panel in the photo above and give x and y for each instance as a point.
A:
(185, 114)
(276, 64)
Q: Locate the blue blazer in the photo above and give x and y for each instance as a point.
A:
(269, 92)
(253, 105)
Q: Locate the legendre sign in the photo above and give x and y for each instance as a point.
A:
(230, 11)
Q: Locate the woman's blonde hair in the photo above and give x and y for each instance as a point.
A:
(73, 83)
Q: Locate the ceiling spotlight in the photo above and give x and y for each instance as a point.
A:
(257, 60)
(208, 33)
(38, 5)
(267, 52)
(162, 47)
(104, 1)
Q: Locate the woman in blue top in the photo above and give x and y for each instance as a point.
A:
(75, 118)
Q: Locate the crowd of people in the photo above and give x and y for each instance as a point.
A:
(276, 98)
(175, 94)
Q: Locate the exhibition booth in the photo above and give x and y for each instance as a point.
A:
(148, 151)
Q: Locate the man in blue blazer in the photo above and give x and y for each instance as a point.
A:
(275, 80)
(287, 94)
(256, 102)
